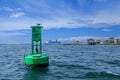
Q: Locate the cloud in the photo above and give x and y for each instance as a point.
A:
(25, 23)
(14, 37)
(18, 23)
(6, 34)
(8, 9)
(16, 15)
(18, 9)
(65, 14)
(11, 9)
(13, 12)
(106, 29)
(100, 0)
(59, 14)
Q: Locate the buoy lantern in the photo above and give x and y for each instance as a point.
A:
(36, 58)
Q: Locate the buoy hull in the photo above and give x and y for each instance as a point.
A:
(36, 60)
(38, 65)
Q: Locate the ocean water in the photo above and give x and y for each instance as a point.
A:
(99, 62)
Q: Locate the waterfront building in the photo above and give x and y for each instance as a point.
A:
(91, 41)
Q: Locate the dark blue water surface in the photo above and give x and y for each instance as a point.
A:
(100, 62)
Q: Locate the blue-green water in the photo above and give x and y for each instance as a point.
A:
(65, 63)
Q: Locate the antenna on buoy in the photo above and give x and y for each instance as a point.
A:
(38, 24)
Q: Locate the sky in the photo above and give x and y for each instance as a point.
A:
(65, 20)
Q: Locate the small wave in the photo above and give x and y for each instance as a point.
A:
(102, 74)
(60, 48)
(4, 79)
(114, 62)
(71, 66)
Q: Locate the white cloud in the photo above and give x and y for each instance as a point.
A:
(11, 9)
(6, 34)
(16, 15)
(61, 23)
(14, 37)
(25, 23)
(100, 0)
(8, 9)
(106, 29)
(17, 24)
(18, 9)
(62, 15)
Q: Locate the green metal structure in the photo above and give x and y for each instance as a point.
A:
(36, 58)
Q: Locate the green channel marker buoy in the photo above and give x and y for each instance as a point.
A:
(36, 57)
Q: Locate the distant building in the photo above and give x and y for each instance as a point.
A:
(91, 41)
(98, 42)
(53, 42)
(118, 41)
(77, 41)
(112, 40)
(106, 42)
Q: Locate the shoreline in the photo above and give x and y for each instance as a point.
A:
(88, 44)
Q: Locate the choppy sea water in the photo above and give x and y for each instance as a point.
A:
(100, 62)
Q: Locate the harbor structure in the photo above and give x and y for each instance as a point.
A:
(91, 41)
(52, 42)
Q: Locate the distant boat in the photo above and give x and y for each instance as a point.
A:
(52, 42)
